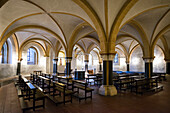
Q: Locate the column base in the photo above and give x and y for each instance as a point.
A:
(167, 74)
(109, 90)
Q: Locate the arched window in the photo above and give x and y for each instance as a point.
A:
(116, 59)
(61, 58)
(31, 56)
(4, 53)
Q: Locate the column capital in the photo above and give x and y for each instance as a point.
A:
(86, 61)
(148, 59)
(127, 62)
(20, 59)
(46, 55)
(56, 59)
(108, 56)
(86, 56)
(68, 59)
(167, 60)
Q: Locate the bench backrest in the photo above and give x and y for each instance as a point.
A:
(80, 83)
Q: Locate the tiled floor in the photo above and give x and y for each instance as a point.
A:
(122, 103)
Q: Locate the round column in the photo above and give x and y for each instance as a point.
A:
(108, 89)
(68, 66)
(148, 67)
(55, 61)
(167, 66)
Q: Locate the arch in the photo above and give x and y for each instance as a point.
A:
(128, 35)
(34, 39)
(49, 16)
(133, 50)
(97, 54)
(94, 17)
(163, 31)
(91, 38)
(161, 49)
(158, 24)
(34, 27)
(142, 13)
(38, 34)
(22, 47)
(121, 51)
(80, 47)
(119, 18)
(4, 53)
(165, 44)
(91, 47)
(16, 43)
(125, 51)
(143, 36)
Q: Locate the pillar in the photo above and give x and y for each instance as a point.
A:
(167, 66)
(47, 64)
(127, 66)
(0, 58)
(100, 66)
(148, 67)
(55, 61)
(18, 68)
(68, 66)
(86, 60)
(107, 89)
(86, 65)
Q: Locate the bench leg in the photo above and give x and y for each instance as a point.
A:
(91, 95)
(64, 99)
(71, 98)
(43, 102)
(85, 95)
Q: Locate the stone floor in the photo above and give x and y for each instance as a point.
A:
(122, 103)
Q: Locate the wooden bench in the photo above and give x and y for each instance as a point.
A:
(60, 88)
(145, 85)
(37, 72)
(65, 80)
(45, 83)
(83, 86)
(124, 83)
(32, 95)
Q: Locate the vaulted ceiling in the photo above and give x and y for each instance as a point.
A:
(108, 24)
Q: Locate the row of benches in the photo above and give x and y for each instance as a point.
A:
(139, 85)
(28, 94)
(64, 85)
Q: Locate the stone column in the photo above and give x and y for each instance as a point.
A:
(127, 64)
(86, 65)
(167, 66)
(68, 66)
(107, 89)
(0, 57)
(148, 67)
(47, 64)
(19, 67)
(55, 61)
(100, 66)
(86, 57)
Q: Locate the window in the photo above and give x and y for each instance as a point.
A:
(31, 56)
(116, 59)
(4, 53)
